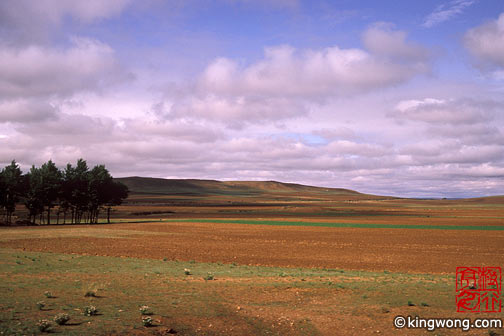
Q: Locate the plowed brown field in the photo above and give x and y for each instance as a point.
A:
(404, 250)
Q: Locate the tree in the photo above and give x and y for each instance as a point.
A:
(85, 192)
(12, 186)
(51, 185)
(3, 194)
(74, 192)
(116, 193)
(66, 191)
(44, 189)
(100, 182)
(34, 195)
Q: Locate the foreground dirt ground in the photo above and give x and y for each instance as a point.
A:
(237, 300)
(401, 250)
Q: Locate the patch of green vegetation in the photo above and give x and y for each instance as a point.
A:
(49, 232)
(125, 284)
(328, 213)
(346, 225)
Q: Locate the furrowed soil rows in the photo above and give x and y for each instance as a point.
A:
(375, 249)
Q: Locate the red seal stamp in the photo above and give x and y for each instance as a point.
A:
(478, 289)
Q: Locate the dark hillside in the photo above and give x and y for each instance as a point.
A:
(196, 187)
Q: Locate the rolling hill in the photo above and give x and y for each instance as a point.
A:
(195, 187)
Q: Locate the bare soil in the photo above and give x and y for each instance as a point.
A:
(402, 250)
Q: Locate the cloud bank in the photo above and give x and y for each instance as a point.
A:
(370, 115)
(286, 82)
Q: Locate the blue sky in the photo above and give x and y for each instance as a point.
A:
(387, 97)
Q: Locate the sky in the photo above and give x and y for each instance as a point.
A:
(402, 98)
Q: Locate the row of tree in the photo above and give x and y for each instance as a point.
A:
(77, 192)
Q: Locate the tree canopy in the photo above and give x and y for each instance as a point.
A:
(76, 191)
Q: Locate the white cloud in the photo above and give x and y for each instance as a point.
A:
(287, 83)
(486, 43)
(181, 130)
(381, 39)
(442, 111)
(72, 129)
(331, 71)
(346, 148)
(340, 132)
(447, 11)
(26, 111)
(26, 20)
(237, 111)
(41, 71)
(190, 148)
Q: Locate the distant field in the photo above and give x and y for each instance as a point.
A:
(285, 260)
(349, 225)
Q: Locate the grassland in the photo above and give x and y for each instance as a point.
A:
(264, 259)
(240, 300)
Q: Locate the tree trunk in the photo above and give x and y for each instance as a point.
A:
(108, 215)
(48, 215)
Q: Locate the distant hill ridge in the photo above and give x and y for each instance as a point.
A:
(138, 184)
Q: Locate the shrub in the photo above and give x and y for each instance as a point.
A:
(41, 305)
(90, 311)
(61, 318)
(44, 325)
(49, 295)
(209, 276)
(410, 303)
(90, 293)
(187, 271)
(145, 310)
(423, 304)
(147, 321)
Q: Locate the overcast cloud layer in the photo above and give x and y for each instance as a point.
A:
(407, 104)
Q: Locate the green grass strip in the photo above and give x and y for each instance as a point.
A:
(347, 225)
